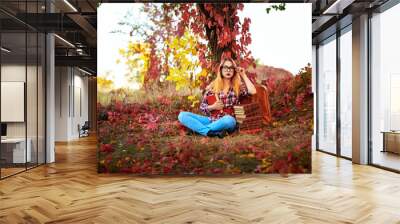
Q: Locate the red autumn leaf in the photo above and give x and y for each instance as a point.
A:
(151, 126)
(220, 19)
(135, 168)
(260, 155)
(299, 100)
(209, 24)
(126, 170)
(216, 170)
(166, 170)
(289, 156)
(106, 148)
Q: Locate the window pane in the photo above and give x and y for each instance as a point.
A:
(327, 97)
(31, 97)
(346, 94)
(14, 153)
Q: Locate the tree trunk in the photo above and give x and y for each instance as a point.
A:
(211, 32)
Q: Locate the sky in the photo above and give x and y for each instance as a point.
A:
(108, 43)
(281, 38)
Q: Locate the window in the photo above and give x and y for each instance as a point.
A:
(385, 88)
(346, 93)
(327, 96)
(22, 76)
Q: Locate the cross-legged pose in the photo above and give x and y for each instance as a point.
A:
(230, 84)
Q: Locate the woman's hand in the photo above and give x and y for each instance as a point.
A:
(250, 86)
(216, 106)
(241, 72)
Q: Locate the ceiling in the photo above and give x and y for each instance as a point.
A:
(73, 21)
(332, 15)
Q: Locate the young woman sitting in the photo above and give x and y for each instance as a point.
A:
(225, 90)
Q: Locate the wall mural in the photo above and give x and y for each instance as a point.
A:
(188, 89)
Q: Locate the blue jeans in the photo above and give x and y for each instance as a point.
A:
(202, 124)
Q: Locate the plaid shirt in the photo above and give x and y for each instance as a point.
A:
(229, 100)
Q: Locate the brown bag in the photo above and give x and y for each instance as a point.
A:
(262, 97)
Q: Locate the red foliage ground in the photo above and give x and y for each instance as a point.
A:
(146, 138)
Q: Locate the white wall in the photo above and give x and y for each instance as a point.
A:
(12, 73)
(62, 82)
(71, 94)
(80, 102)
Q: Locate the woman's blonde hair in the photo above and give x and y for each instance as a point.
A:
(218, 84)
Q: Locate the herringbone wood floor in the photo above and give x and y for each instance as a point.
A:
(71, 191)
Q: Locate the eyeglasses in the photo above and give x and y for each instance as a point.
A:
(226, 68)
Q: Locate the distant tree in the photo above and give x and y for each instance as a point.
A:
(185, 70)
(156, 31)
